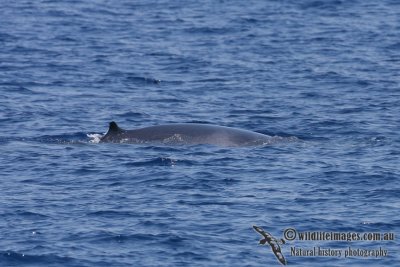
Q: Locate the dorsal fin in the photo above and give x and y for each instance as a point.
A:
(114, 128)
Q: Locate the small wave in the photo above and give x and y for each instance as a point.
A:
(76, 138)
(27, 214)
(282, 139)
(206, 203)
(323, 5)
(111, 213)
(168, 100)
(12, 257)
(132, 114)
(208, 30)
(272, 140)
(97, 237)
(160, 161)
(20, 90)
(144, 80)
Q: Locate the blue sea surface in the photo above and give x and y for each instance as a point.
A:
(324, 76)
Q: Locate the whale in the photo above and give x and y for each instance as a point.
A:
(185, 134)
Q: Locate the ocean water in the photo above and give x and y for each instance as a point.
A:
(323, 76)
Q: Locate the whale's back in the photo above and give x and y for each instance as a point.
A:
(185, 134)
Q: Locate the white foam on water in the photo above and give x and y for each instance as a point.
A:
(95, 138)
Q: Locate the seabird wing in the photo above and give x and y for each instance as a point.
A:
(262, 232)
